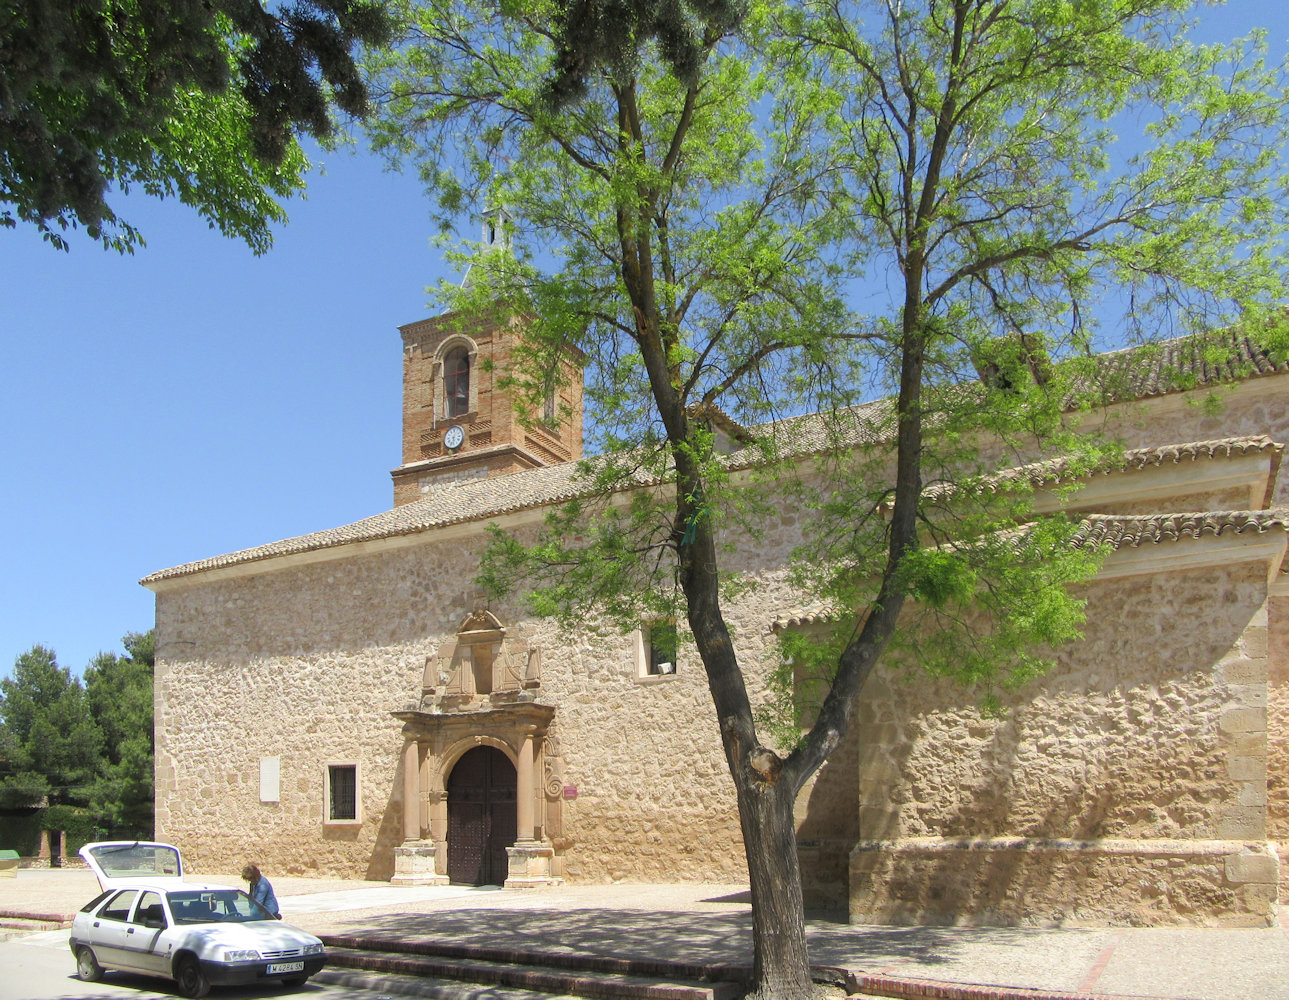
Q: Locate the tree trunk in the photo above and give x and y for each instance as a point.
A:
(766, 795)
(780, 959)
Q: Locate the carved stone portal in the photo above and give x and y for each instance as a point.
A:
(480, 689)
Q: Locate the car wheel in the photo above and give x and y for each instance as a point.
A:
(87, 967)
(293, 982)
(192, 981)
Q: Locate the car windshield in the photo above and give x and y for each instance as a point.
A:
(206, 906)
(137, 860)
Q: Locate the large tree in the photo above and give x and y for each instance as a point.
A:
(82, 751)
(55, 743)
(199, 100)
(119, 692)
(690, 225)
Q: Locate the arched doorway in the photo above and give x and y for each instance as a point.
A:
(481, 817)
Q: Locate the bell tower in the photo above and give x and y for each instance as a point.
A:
(459, 423)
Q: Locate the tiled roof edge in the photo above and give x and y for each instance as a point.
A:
(401, 520)
(1137, 530)
(1118, 532)
(1055, 470)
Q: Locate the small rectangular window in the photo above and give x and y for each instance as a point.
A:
(662, 648)
(342, 792)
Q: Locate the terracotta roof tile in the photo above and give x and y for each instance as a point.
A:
(449, 504)
(1056, 470)
(479, 500)
(1133, 532)
(1140, 372)
(1206, 359)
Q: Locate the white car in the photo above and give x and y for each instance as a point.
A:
(149, 921)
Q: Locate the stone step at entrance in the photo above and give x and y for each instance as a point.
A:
(387, 985)
(442, 969)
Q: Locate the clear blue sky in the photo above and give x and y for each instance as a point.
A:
(193, 399)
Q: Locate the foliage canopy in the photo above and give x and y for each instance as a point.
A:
(82, 752)
(925, 201)
(199, 100)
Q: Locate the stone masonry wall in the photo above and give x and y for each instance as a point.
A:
(1278, 732)
(307, 664)
(1132, 737)
(1149, 732)
(1260, 406)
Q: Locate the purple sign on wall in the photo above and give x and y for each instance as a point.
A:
(570, 791)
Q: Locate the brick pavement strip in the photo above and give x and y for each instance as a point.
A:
(924, 989)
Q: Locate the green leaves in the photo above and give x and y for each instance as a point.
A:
(198, 100)
(939, 578)
(1029, 159)
(990, 610)
(699, 196)
(82, 750)
(828, 274)
(44, 710)
(943, 204)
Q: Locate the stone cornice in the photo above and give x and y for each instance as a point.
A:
(1249, 464)
(473, 456)
(1177, 542)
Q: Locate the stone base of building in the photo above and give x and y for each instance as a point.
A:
(531, 865)
(824, 865)
(1017, 881)
(416, 864)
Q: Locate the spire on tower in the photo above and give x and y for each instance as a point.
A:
(495, 235)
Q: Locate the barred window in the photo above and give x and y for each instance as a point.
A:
(342, 792)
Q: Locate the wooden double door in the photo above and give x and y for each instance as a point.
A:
(481, 817)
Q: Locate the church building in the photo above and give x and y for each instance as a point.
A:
(347, 703)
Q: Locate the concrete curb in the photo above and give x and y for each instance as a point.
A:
(61, 919)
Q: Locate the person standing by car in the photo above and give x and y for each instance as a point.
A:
(261, 890)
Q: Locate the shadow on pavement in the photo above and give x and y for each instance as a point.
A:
(150, 986)
(714, 938)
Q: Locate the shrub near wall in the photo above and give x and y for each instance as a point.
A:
(20, 831)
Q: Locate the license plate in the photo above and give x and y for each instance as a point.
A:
(279, 967)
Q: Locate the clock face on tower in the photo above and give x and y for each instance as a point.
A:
(453, 437)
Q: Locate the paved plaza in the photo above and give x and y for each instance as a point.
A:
(712, 923)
